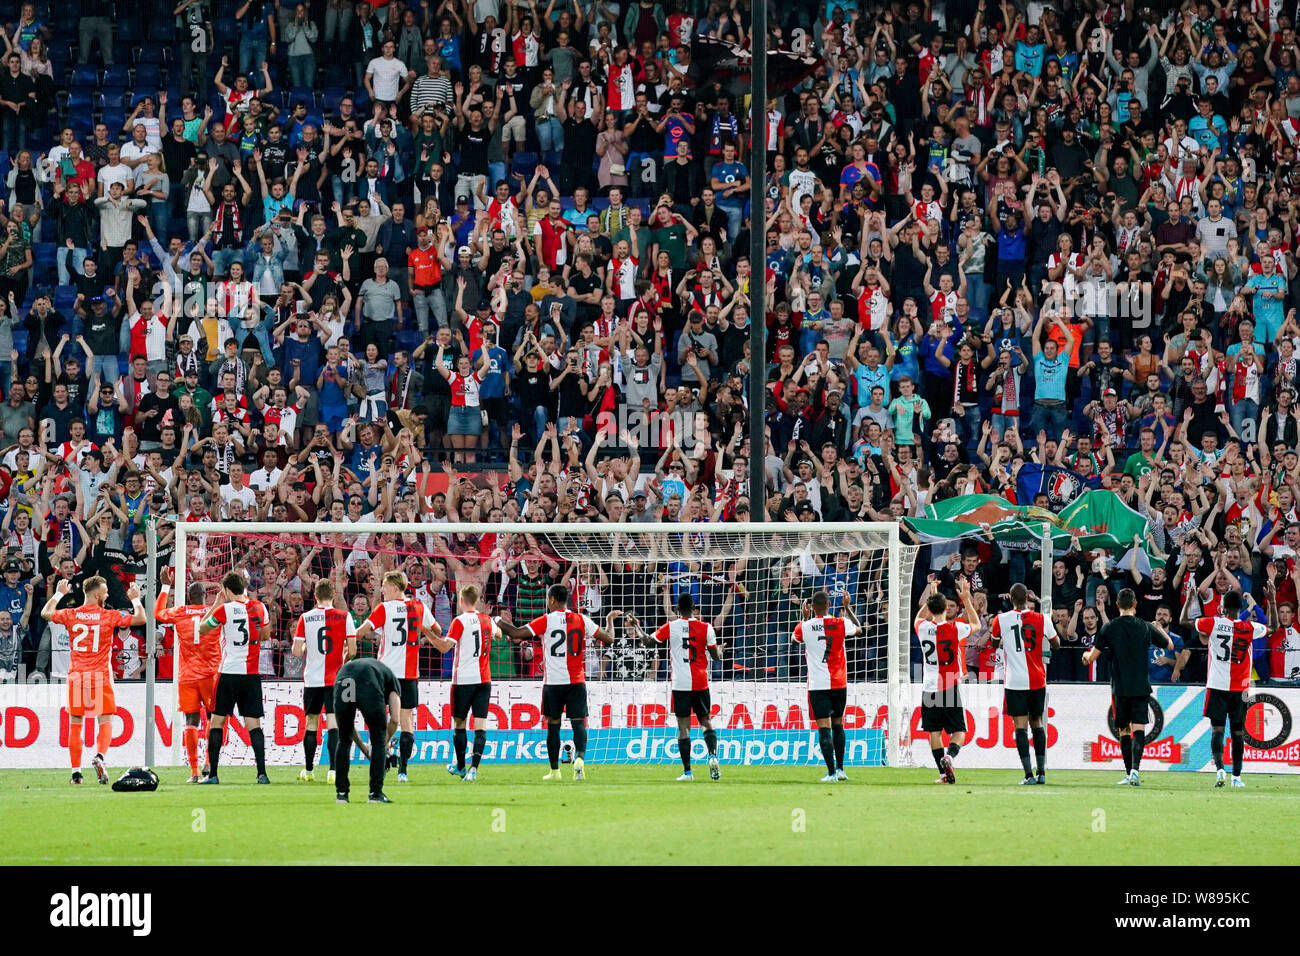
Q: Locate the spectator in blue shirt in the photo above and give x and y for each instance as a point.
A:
(1163, 665)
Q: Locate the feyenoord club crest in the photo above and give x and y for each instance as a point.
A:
(1062, 488)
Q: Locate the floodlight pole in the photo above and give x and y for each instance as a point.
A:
(758, 263)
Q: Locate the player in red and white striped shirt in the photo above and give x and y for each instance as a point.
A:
(1227, 677)
(326, 636)
(1022, 635)
(401, 624)
(244, 626)
(564, 635)
(471, 678)
(823, 640)
(943, 651)
(691, 642)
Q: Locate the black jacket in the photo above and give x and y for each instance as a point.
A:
(74, 222)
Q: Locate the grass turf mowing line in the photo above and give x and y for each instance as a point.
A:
(640, 815)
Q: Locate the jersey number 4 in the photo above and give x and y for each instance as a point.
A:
(560, 638)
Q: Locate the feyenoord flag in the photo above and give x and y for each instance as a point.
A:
(716, 60)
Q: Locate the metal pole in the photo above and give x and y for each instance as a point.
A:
(150, 637)
(758, 263)
(1045, 573)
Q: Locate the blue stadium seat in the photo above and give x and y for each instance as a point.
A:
(304, 94)
(226, 33)
(525, 164)
(85, 75)
(43, 268)
(114, 117)
(148, 76)
(331, 96)
(117, 74)
(81, 103)
(162, 30)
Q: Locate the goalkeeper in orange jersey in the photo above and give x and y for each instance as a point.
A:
(90, 678)
(197, 658)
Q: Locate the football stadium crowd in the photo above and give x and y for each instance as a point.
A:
(489, 260)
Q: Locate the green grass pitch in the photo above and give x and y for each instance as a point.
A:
(640, 815)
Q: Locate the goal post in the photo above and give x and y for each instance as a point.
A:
(749, 580)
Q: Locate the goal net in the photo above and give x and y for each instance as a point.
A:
(749, 581)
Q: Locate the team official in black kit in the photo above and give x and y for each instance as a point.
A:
(364, 685)
(1126, 641)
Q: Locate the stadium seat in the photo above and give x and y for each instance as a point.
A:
(162, 31)
(85, 75)
(303, 94)
(331, 96)
(43, 268)
(225, 32)
(148, 77)
(525, 164)
(114, 117)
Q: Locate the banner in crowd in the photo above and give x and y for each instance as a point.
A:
(757, 723)
(1060, 485)
(1096, 519)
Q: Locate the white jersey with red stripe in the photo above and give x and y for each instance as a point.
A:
(241, 623)
(325, 632)
(943, 652)
(564, 637)
(823, 646)
(473, 635)
(398, 625)
(1024, 635)
(688, 642)
(1229, 651)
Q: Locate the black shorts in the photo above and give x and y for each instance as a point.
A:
(828, 703)
(470, 697)
(1025, 703)
(687, 702)
(439, 409)
(409, 691)
(1226, 705)
(942, 712)
(1131, 710)
(558, 699)
(316, 699)
(239, 691)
